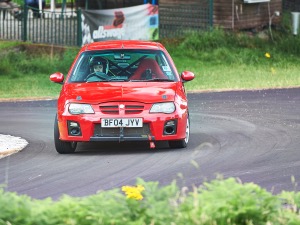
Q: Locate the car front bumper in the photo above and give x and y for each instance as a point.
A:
(156, 127)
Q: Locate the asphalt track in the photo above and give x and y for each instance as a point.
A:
(252, 135)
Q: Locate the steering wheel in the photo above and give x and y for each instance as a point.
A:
(102, 77)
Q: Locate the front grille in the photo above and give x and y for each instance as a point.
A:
(127, 131)
(114, 108)
(109, 109)
(133, 109)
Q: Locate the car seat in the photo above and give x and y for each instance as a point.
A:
(148, 67)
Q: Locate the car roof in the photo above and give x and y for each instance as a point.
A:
(122, 44)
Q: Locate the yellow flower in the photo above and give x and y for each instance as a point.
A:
(140, 187)
(267, 55)
(133, 192)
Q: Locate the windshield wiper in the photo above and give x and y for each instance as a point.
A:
(94, 81)
(117, 79)
(153, 80)
(108, 80)
(160, 79)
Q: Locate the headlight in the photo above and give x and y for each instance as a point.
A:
(75, 108)
(164, 107)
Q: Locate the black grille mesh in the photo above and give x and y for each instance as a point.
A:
(127, 131)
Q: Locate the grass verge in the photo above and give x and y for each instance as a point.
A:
(220, 61)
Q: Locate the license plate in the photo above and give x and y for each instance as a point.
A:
(123, 122)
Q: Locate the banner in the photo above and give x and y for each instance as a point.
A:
(132, 23)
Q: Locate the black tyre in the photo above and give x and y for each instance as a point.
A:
(62, 147)
(182, 143)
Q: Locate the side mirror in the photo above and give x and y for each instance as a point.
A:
(57, 77)
(187, 76)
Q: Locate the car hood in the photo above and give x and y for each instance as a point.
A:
(147, 92)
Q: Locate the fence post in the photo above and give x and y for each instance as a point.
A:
(295, 22)
(25, 23)
(211, 13)
(79, 29)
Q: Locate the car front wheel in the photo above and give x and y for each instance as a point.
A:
(62, 147)
(182, 143)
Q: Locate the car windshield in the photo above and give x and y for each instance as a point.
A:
(123, 65)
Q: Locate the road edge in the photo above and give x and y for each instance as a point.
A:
(11, 144)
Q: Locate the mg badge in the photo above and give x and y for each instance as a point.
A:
(121, 106)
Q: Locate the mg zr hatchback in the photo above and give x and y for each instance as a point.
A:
(118, 91)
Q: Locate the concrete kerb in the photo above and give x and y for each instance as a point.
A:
(10, 145)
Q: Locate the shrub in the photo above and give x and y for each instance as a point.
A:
(229, 202)
(222, 202)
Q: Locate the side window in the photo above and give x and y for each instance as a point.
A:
(166, 68)
(80, 70)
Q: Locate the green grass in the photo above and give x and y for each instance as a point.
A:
(26, 74)
(7, 44)
(223, 61)
(219, 60)
(242, 76)
(28, 87)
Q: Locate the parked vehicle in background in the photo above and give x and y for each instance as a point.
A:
(122, 91)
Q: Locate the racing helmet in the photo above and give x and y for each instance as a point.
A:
(98, 64)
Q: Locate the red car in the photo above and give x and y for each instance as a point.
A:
(122, 91)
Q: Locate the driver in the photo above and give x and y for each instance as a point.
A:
(99, 66)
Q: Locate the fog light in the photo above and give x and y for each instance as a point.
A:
(170, 127)
(170, 123)
(75, 131)
(74, 128)
(73, 124)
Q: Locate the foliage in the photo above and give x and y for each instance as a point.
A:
(223, 47)
(17, 61)
(219, 202)
(223, 60)
(232, 204)
(25, 69)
